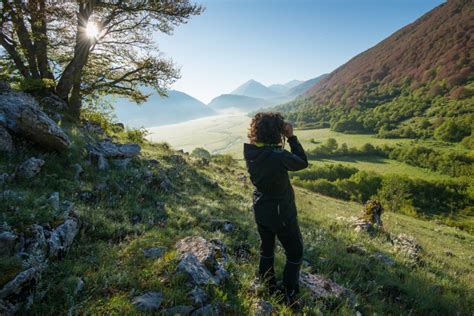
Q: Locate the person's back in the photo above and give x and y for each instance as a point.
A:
(273, 199)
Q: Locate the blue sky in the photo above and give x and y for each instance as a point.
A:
(275, 41)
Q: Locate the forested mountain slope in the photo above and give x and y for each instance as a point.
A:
(408, 85)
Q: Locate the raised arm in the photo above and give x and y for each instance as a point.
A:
(296, 160)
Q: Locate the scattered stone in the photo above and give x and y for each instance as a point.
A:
(78, 171)
(149, 301)
(7, 243)
(136, 219)
(113, 150)
(21, 280)
(30, 168)
(408, 245)
(196, 270)
(199, 296)
(36, 246)
(448, 253)
(178, 310)
(22, 116)
(153, 161)
(323, 288)
(53, 200)
(263, 308)
(79, 286)
(12, 195)
(63, 236)
(386, 260)
(6, 142)
(177, 159)
(205, 251)
(357, 249)
(222, 225)
(208, 310)
(154, 253)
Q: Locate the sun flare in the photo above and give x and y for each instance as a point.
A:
(92, 30)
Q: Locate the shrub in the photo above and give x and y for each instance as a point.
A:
(202, 153)
(453, 131)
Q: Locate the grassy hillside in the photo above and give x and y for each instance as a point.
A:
(128, 214)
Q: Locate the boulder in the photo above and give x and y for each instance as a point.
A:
(4, 86)
(202, 260)
(6, 142)
(21, 280)
(196, 270)
(208, 310)
(357, 249)
(30, 168)
(382, 258)
(263, 308)
(63, 236)
(36, 245)
(21, 115)
(113, 150)
(371, 219)
(321, 288)
(149, 301)
(7, 242)
(407, 245)
(53, 102)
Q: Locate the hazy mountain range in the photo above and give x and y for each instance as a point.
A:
(179, 106)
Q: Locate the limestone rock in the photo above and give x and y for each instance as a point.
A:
(30, 168)
(7, 243)
(371, 219)
(149, 301)
(113, 150)
(20, 281)
(384, 259)
(6, 142)
(22, 116)
(196, 270)
(263, 308)
(408, 245)
(63, 236)
(208, 310)
(323, 288)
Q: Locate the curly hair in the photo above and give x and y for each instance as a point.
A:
(267, 128)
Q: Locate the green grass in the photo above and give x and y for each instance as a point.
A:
(383, 166)
(108, 253)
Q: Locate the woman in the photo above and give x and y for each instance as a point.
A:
(273, 198)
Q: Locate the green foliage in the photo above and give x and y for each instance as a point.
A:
(224, 159)
(136, 135)
(36, 85)
(329, 172)
(453, 130)
(395, 193)
(332, 149)
(100, 111)
(202, 153)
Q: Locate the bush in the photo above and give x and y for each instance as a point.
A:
(453, 131)
(202, 153)
(136, 135)
(226, 160)
(329, 172)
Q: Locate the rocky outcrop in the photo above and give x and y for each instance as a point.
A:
(371, 219)
(263, 308)
(150, 301)
(204, 261)
(30, 168)
(20, 114)
(7, 242)
(120, 155)
(407, 245)
(321, 288)
(16, 285)
(63, 236)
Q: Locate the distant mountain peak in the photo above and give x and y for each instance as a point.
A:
(254, 89)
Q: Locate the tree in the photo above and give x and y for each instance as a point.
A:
(89, 47)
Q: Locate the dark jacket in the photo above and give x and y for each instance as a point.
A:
(273, 197)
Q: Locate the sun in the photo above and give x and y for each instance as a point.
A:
(92, 30)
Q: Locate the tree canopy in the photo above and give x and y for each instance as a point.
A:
(80, 48)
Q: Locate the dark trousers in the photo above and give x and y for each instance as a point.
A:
(291, 240)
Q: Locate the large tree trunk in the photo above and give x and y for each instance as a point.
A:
(38, 26)
(24, 38)
(81, 52)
